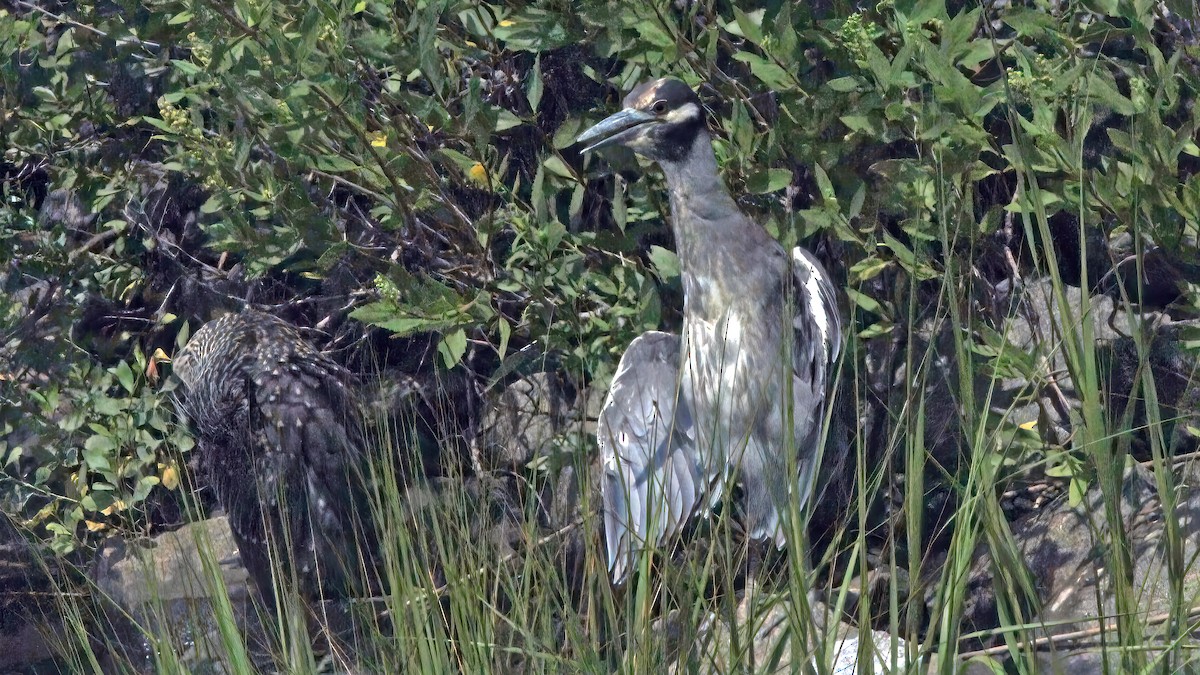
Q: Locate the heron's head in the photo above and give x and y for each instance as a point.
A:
(660, 121)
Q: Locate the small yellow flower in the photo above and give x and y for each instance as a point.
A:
(170, 477)
(506, 23)
(478, 173)
(378, 139)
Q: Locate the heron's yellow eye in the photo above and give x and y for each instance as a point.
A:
(660, 107)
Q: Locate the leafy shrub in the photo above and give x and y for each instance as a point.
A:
(411, 165)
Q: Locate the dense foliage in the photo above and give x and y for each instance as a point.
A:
(403, 176)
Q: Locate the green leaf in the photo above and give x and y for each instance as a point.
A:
(452, 347)
(413, 304)
(825, 185)
(533, 91)
(749, 25)
(505, 334)
(566, 133)
(505, 120)
(653, 34)
(864, 301)
(620, 209)
(844, 84)
(908, 258)
(186, 67)
(1031, 22)
(665, 263)
(534, 30)
(125, 376)
(1076, 492)
(769, 180)
(556, 166)
(857, 201)
(158, 124)
(868, 268)
(96, 452)
(1100, 87)
(876, 329)
(14, 454)
(336, 163)
(103, 405)
(458, 159)
(768, 72)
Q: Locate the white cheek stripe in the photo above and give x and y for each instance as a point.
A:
(688, 112)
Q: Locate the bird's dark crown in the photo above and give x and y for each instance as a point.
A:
(661, 96)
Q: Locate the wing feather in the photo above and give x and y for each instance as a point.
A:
(817, 314)
(654, 479)
(816, 349)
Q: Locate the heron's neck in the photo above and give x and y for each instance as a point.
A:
(710, 231)
(698, 193)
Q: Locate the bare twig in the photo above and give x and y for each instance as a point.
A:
(92, 243)
(1051, 640)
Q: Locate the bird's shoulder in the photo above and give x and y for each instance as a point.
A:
(648, 371)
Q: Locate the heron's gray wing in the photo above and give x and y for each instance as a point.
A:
(654, 479)
(818, 322)
(817, 329)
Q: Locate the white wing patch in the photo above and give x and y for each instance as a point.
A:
(820, 299)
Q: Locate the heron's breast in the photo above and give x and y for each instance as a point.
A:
(733, 368)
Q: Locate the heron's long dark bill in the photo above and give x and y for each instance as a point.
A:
(614, 129)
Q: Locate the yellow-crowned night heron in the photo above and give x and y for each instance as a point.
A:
(741, 395)
(279, 430)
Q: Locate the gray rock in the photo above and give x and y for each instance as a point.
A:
(1034, 326)
(526, 419)
(64, 207)
(1065, 550)
(542, 424)
(168, 567)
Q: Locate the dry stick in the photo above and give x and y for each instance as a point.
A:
(1193, 613)
(1013, 267)
(1060, 399)
(93, 242)
(349, 184)
(441, 590)
(1176, 460)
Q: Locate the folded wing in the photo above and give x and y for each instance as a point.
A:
(816, 347)
(654, 476)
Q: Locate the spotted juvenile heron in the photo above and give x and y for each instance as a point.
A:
(280, 436)
(741, 395)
